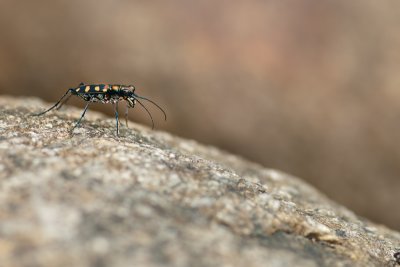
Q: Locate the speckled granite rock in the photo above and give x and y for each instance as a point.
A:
(151, 199)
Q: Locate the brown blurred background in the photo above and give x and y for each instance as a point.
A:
(308, 87)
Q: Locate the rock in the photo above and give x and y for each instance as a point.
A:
(148, 198)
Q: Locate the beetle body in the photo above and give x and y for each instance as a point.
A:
(105, 93)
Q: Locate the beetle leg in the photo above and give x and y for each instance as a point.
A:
(80, 119)
(56, 104)
(63, 102)
(126, 115)
(116, 116)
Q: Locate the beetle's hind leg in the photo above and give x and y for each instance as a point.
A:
(63, 102)
(80, 119)
(56, 104)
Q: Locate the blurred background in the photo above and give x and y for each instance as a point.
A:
(308, 87)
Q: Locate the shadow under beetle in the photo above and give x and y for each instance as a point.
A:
(105, 93)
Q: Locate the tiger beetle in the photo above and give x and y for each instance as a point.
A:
(105, 93)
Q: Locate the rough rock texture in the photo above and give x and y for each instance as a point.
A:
(309, 87)
(151, 199)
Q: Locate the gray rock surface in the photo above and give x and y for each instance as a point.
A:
(151, 199)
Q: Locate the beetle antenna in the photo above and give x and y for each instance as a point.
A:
(148, 112)
(154, 103)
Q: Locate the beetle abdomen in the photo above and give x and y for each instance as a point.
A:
(92, 89)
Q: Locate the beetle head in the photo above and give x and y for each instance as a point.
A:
(128, 92)
(127, 89)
